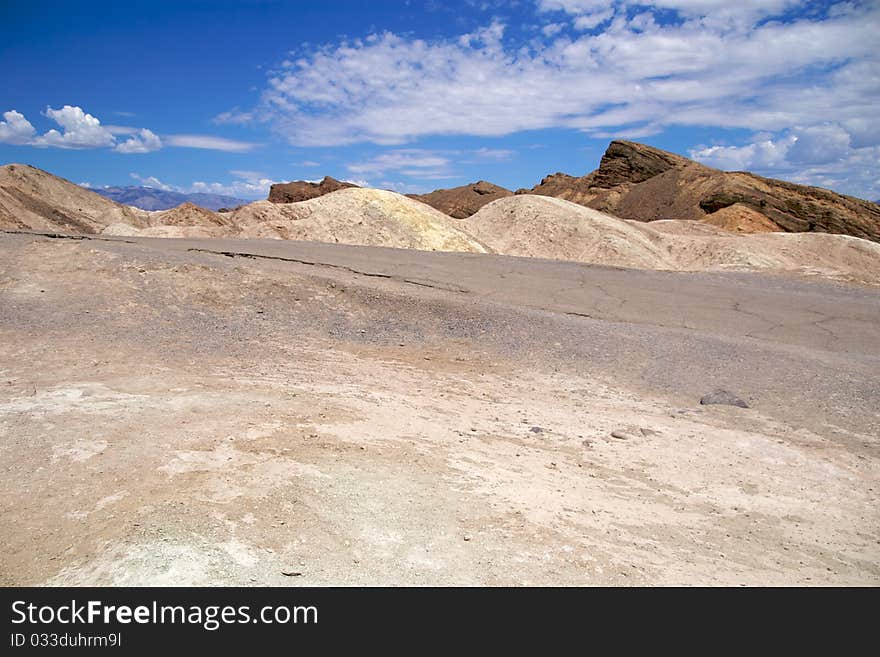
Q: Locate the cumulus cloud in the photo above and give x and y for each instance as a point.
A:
(759, 155)
(78, 130)
(145, 141)
(82, 130)
(821, 155)
(819, 145)
(15, 129)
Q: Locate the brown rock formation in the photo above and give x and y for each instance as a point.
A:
(302, 190)
(189, 214)
(461, 202)
(642, 183)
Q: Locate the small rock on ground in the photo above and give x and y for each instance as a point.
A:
(722, 397)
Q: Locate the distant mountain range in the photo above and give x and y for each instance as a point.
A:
(150, 198)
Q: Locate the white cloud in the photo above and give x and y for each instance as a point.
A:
(413, 162)
(594, 19)
(210, 143)
(245, 185)
(80, 130)
(145, 141)
(493, 154)
(819, 145)
(405, 188)
(759, 155)
(152, 181)
(390, 89)
(15, 129)
(552, 29)
(821, 155)
(309, 163)
(425, 163)
(121, 129)
(856, 173)
(716, 13)
(247, 175)
(627, 133)
(573, 6)
(234, 117)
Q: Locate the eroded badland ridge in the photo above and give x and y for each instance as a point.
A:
(638, 182)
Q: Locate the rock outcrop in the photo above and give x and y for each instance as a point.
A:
(642, 183)
(303, 190)
(461, 202)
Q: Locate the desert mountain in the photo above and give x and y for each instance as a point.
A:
(642, 183)
(32, 199)
(523, 225)
(369, 217)
(461, 202)
(303, 190)
(546, 227)
(150, 198)
(186, 220)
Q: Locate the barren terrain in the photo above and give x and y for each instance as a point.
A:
(292, 413)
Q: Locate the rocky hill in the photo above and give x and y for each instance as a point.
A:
(526, 225)
(642, 183)
(461, 202)
(303, 190)
(545, 227)
(32, 199)
(368, 217)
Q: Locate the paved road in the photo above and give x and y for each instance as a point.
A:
(791, 311)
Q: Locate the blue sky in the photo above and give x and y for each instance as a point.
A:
(231, 96)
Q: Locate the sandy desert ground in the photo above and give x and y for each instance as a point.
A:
(291, 413)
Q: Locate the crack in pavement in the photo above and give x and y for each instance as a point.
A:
(352, 270)
(65, 236)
